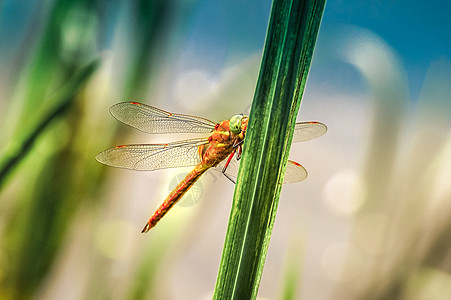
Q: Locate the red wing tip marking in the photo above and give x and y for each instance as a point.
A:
(135, 103)
(164, 145)
(121, 146)
(295, 163)
(313, 122)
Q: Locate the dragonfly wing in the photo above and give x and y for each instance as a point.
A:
(305, 131)
(232, 168)
(153, 120)
(149, 157)
(293, 173)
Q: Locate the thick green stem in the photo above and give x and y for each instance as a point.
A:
(290, 41)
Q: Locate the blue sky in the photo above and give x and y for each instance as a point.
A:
(419, 31)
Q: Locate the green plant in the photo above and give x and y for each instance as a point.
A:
(290, 41)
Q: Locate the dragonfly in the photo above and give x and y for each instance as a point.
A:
(220, 150)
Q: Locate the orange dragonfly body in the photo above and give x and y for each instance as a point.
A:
(215, 151)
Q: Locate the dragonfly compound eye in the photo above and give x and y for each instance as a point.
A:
(235, 124)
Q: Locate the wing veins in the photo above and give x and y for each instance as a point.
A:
(138, 156)
(153, 120)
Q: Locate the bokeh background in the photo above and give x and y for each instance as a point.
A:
(372, 221)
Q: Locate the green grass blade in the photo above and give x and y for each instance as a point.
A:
(63, 101)
(293, 266)
(290, 41)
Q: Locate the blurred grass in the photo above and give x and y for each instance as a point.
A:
(63, 102)
(43, 229)
(37, 223)
(48, 154)
(293, 266)
(150, 28)
(405, 214)
(411, 194)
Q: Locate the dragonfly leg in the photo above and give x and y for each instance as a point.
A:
(237, 145)
(227, 164)
(228, 161)
(238, 155)
(229, 178)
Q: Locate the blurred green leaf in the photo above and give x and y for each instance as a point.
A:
(293, 266)
(36, 237)
(63, 101)
(150, 28)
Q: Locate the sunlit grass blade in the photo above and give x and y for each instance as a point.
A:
(290, 41)
(63, 101)
(293, 266)
(150, 24)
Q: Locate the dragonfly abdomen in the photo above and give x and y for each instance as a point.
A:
(176, 195)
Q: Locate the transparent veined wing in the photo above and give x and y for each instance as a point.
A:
(149, 157)
(154, 120)
(305, 131)
(293, 173)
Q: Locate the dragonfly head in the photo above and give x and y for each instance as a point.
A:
(235, 124)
